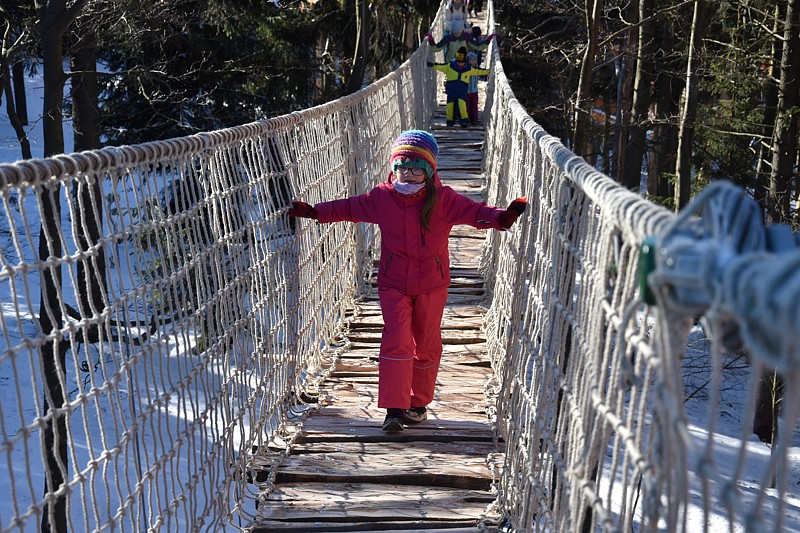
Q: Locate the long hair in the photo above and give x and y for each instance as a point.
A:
(430, 201)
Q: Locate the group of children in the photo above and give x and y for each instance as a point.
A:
(463, 49)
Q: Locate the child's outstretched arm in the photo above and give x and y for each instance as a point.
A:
(361, 208)
(441, 44)
(479, 71)
(463, 210)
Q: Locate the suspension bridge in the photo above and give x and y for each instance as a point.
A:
(201, 362)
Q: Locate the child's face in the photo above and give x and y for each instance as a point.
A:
(473, 61)
(413, 175)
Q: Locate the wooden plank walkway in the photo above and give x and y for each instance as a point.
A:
(344, 473)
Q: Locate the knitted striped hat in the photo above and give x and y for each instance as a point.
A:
(415, 148)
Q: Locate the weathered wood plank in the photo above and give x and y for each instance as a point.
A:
(358, 369)
(449, 322)
(473, 449)
(472, 355)
(415, 463)
(367, 307)
(449, 336)
(369, 502)
(380, 526)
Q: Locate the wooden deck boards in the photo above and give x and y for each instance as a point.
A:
(344, 473)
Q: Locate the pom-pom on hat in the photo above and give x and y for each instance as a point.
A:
(415, 148)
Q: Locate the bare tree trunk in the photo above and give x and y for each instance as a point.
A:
(628, 64)
(764, 151)
(784, 138)
(16, 123)
(88, 228)
(683, 185)
(765, 417)
(665, 133)
(583, 101)
(356, 78)
(20, 98)
(637, 131)
(409, 37)
(50, 314)
(54, 18)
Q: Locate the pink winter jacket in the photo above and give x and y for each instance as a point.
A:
(413, 260)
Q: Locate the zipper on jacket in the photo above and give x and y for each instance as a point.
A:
(422, 233)
(439, 264)
(386, 268)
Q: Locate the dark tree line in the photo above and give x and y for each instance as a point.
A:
(177, 67)
(666, 93)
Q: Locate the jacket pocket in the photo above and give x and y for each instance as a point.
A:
(439, 266)
(386, 266)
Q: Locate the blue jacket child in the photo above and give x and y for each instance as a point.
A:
(457, 75)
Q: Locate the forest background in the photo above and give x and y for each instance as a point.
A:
(662, 95)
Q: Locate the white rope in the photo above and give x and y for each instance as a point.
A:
(592, 389)
(222, 316)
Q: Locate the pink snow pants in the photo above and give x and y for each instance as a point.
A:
(472, 107)
(411, 347)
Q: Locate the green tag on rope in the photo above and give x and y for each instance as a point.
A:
(646, 264)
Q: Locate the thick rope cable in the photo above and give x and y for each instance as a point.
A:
(593, 385)
(189, 377)
(220, 316)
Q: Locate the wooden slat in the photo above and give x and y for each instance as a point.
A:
(313, 503)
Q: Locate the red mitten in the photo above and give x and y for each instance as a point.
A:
(428, 36)
(510, 215)
(302, 210)
(490, 37)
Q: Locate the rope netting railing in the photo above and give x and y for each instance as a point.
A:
(187, 324)
(593, 386)
(187, 321)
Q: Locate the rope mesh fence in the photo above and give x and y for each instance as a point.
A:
(592, 385)
(187, 323)
(190, 320)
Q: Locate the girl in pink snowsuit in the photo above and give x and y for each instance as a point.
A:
(415, 213)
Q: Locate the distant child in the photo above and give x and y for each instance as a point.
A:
(415, 213)
(472, 90)
(457, 38)
(478, 43)
(451, 42)
(455, 10)
(458, 74)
